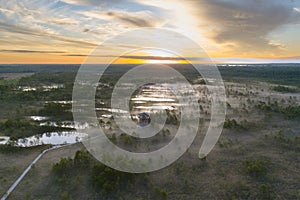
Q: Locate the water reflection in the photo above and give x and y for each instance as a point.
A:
(4, 139)
(66, 124)
(53, 138)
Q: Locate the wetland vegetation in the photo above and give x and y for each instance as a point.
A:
(257, 156)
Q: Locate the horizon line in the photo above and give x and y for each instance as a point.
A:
(229, 63)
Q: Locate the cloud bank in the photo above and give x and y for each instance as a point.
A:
(226, 28)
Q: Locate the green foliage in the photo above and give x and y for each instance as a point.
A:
(17, 128)
(244, 125)
(296, 143)
(291, 112)
(66, 196)
(127, 139)
(236, 190)
(53, 77)
(110, 181)
(200, 81)
(57, 110)
(264, 192)
(255, 168)
(63, 167)
(171, 117)
(280, 136)
(27, 195)
(8, 148)
(113, 138)
(82, 159)
(231, 124)
(226, 144)
(284, 74)
(284, 89)
(83, 171)
(160, 193)
(5, 89)
(42, 76)
(285, 142)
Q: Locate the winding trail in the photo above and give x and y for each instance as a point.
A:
(16, 183)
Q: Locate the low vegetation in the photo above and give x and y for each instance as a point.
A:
(284, 89)
(255, 168)
(103, 181)
(57, 111)
(17, 128)
(256, 157)
(290, 111)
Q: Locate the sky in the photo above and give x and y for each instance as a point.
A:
(230, 31)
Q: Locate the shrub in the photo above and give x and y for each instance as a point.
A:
(160, 193)
(109, 180)
(231, 123)
(66, 196)
(264, 192)
(281, 88)
(254, 168)
(236, 190)
(63, 167)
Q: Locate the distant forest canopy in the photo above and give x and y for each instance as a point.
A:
(284, 74)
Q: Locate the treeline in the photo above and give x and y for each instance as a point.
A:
(43, 78)
(17, 128)
(281, 88)
(57, 111)
(12, 94)
(286, 74)
(38, 68)
(11, 90)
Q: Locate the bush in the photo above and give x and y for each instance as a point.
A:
(236, 190)
(284, 89)
(82, 159)
(63, 167)
(160, 193)
(231, 124)
(108, 180)
(264, 192)
(225, 144)
(66, 196)
(291, 111)
(254, 168)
